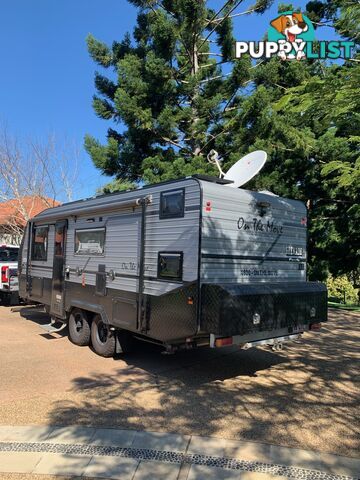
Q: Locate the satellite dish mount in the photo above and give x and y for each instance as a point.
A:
(214, 159)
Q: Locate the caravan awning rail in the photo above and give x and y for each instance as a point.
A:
(87, 208)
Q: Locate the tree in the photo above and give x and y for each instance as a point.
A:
(177, 89)
(177, 104)
(306, 115)
(33, 173)
(334, 204)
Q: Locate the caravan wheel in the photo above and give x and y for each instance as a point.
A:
(79, 327)
(103, 340)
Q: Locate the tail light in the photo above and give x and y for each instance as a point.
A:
(222, 342)
(4, 274)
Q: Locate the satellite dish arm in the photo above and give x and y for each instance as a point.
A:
(213, 158)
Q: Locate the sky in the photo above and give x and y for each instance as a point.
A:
(46, 80)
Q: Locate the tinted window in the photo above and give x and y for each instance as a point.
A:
(59, 240)
(90, 242)
(40, 243)
(172, 204)
(8, 254)
(170, 265)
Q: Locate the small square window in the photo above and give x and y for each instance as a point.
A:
(170, 265)
(90, 242)
(172, 204)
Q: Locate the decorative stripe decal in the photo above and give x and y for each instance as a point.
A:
(173, 457)
(192, 208)
(250, 257)
(45, 267)
(135, 276)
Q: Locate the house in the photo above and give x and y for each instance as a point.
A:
(15, 213)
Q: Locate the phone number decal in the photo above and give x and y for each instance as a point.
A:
(252, 272)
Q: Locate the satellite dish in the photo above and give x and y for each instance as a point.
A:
(246, 168)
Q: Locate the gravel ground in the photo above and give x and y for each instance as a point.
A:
(306, 396)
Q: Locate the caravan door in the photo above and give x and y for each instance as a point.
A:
(57, 307)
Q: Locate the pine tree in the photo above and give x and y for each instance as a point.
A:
(306, 116)
(178, 101)
(176, 91)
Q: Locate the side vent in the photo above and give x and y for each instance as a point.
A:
(100, 287)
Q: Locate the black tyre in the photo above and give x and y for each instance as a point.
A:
(14, 298)
(102, 339)
(79, 327)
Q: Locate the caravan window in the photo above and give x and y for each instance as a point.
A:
(90, 242)
(40, 243)
(172, 204)
(59, 240)
(170, 265)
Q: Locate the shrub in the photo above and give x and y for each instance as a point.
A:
(340, 286)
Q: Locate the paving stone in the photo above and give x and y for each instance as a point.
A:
(201, 472)
(251, 451)
(339, 465)
(113, 437)
(207, 446)
(19, 462)
(161, 441)
(294, 457)
(184, 471)
(71, 435)
(260, 476)
(111, 467)
(24, 434)
(157, 470)
(334, 464)
(62, 464)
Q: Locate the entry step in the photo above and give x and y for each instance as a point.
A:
(54, 326)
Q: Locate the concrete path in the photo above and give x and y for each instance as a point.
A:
(139, 455)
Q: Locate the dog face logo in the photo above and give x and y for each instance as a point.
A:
(292, 28)
(292, 36)
(290, 25)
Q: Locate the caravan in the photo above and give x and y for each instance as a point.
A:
(184, 263)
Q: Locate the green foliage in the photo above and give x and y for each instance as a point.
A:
(341, 288)
(329, 105)
(116, 186)
(308, 121)
(170, 92)
(262, 5)
(176, 104)
(99, 51)
(343, 14)
(285, 7)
